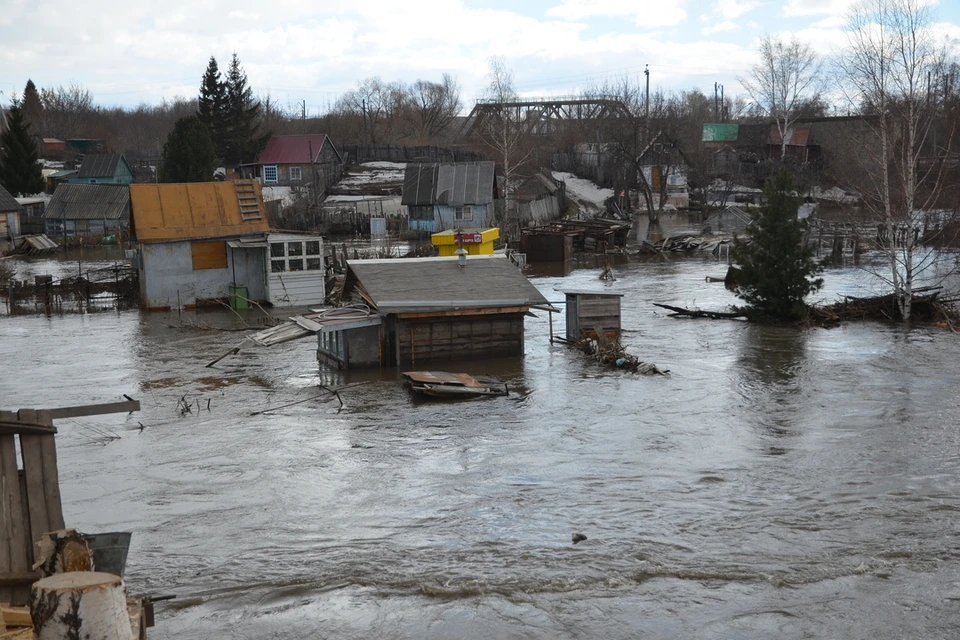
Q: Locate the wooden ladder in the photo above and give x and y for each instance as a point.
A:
(249, 203)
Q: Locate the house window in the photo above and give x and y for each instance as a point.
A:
(295, 174)
(463, 213)
(314, 264)
(313, 247)
(278, 266)
(270, 173)
(294, 248)
(296, 265)
(276, 250)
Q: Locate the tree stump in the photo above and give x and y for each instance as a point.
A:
(80, 604)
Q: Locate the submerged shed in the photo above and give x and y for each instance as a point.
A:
(87, 209)
(432, 309)
(590, 313)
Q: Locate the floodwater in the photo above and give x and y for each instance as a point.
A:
(780, 483)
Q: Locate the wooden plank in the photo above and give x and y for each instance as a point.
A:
(16, 616)
(18, 579)
(95, 409)
(7, 515)
(51, 476)
(32, 453)
(13, 527)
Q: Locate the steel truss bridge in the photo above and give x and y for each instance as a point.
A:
(544, 116)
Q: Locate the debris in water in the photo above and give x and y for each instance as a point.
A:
(578, 537)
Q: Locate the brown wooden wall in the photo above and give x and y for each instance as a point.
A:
(588, 313)
(423, 340)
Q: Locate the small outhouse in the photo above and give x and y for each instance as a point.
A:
(590, 312)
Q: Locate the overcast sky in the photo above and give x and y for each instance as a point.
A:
(314, 50)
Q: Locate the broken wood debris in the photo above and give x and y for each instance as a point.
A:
(697, 313)
(687, 243)
(610, 351)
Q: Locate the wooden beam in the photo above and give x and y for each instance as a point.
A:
(18, 579)
(463, 312)
(15, 427)
(96, 409)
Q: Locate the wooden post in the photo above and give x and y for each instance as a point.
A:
(80, 604)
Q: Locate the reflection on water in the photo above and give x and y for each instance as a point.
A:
(780, 483)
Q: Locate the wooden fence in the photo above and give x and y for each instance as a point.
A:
(29, 497)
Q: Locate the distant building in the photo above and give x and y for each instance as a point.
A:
(103, 168)
(451, 195)
(309, 160)
(209, 243)
(77, 210)
(733, 220)
(9, 220)
(31, 215)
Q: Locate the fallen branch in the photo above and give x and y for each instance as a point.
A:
(697, 313)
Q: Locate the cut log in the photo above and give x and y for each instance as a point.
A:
(80, 604)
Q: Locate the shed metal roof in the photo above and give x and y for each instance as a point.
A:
(100, 165)
(449, 183)
(293, 149)
(423, 285)
(89, 202)
(190, 211)
(798, 137)
(7, 201)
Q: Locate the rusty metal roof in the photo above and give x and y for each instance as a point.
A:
(89, 202)
(423, 285)
(190, 211)
(293, 149)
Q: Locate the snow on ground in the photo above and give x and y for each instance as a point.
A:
(585, 193)
(371, 177)
(284, 194)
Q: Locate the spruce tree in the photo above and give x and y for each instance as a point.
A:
(212, 105)
(32, 107)
(776, 265)
(243, 117)
(20, 174)
(189, 154)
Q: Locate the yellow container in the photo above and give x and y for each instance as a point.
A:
(477, 242)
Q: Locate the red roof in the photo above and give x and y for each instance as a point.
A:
(798, 137)
(292, 149)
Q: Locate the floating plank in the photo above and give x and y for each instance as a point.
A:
(95, 409)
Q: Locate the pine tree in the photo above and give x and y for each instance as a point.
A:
(212, 105)
(776, 265)
(32, 107)
(20, 174)
(189, 154)
(242, 117)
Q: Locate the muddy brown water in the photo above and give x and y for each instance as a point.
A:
(781, 483)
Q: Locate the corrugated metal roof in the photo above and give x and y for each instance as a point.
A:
(798, 137)
(418, 285)
(713, 132)
(63, 173)
(100, 165)
(449, 183)
(292, 149)
(189, 211)
(7, 202)
(89, 202)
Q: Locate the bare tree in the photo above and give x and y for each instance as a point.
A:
(66, 111)
(894, 65)
(787, 76)
(377, 103)
(504, 135)
(431, 107)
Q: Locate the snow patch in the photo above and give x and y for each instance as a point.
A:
(585, 193)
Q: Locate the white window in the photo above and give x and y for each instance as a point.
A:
(270, 173)
(296, 175)
(463, 213)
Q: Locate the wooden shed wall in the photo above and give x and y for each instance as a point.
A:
(459, 337)
(586, 314)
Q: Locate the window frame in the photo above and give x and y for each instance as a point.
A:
(271, 168)
(299, 174)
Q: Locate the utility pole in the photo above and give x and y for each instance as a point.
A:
(646, 107)
(303, 115)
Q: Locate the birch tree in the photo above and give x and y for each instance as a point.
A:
(505, 136)
(893, 64)
(787, 76)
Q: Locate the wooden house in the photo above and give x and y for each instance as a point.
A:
(432, 309)
(31, 215)
(450, 195)
(209, 243)
(309, 160)
(103, 168)
(9, 219)
(78, 210)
